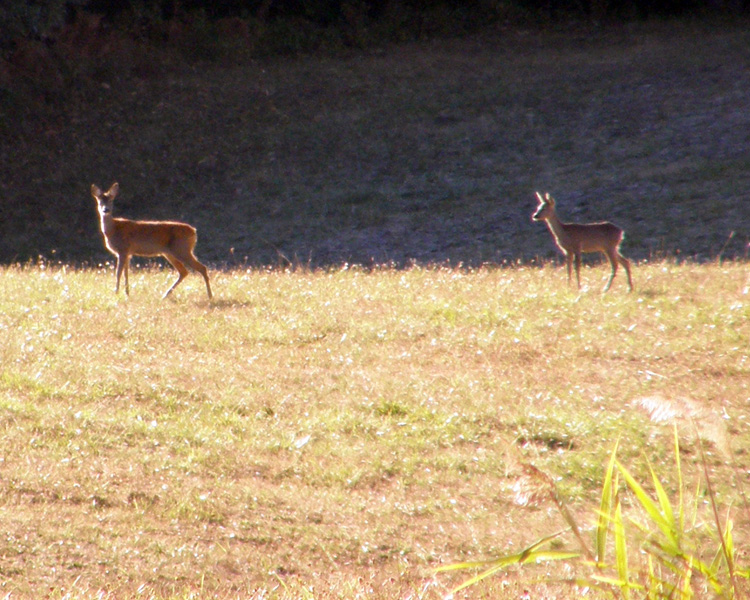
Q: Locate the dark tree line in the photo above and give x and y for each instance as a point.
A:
(329, 11)
(51, 43)
(40, 17)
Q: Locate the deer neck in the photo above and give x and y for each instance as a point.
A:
(557, 228)
(107, 222)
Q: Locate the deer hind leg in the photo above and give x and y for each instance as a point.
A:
(180, 268)
(578, 269)
(199, 267)
(626, 265)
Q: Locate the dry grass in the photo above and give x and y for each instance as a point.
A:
(338, 434)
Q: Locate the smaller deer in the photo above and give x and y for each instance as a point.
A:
(125, 238)
(574, 239)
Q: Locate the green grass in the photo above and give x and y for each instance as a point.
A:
(684, 546)
(343, 431)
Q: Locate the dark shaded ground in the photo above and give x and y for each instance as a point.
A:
(430, 152)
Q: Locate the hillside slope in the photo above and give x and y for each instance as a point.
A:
(428, 152)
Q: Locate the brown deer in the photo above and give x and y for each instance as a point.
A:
(125, 238)
(574, 239)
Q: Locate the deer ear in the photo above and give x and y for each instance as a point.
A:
(95, 191)
(112, 191)
(550, 200)
(539, 196)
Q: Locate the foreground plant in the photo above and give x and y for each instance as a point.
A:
(679, 557)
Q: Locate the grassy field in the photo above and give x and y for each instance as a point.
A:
(341, 433)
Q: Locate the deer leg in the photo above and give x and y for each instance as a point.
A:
(199, 267)
(626, 264)
(117, 274)
(578, 269)
(122, 265)
(612, 258)
(569, 263)
(127, 275)
(181, 269)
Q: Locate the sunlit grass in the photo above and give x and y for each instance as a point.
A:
(345, 430)
(683, 546)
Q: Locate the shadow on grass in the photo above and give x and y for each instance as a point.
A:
(226, 303)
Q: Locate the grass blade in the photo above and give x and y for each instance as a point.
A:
(605, 508)
(678, 466)
(523, 557)
(687, 579)
(646, 502)
(728, 557)
(729, 540)
(527, 555)
(654, 584)
(621, 552)
(670, 531)
(519, 557)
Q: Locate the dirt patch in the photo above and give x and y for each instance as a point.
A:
(428, 152)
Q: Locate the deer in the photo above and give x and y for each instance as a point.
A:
(125, 238)
(573, 239)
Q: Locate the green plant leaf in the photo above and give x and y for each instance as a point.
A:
(621, 552)
(501, 563)
(678, 466)
(686, 591)
(651, 508)
(519, 557)
(527, 555)
(728, 537)
(670, 530)
(654, 583)
(707, 571)
(605, 508)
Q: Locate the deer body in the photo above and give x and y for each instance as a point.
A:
(125, 238)
(573, 239)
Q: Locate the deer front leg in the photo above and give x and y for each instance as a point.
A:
(120, 266)
(123, 264)
(612, 263)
